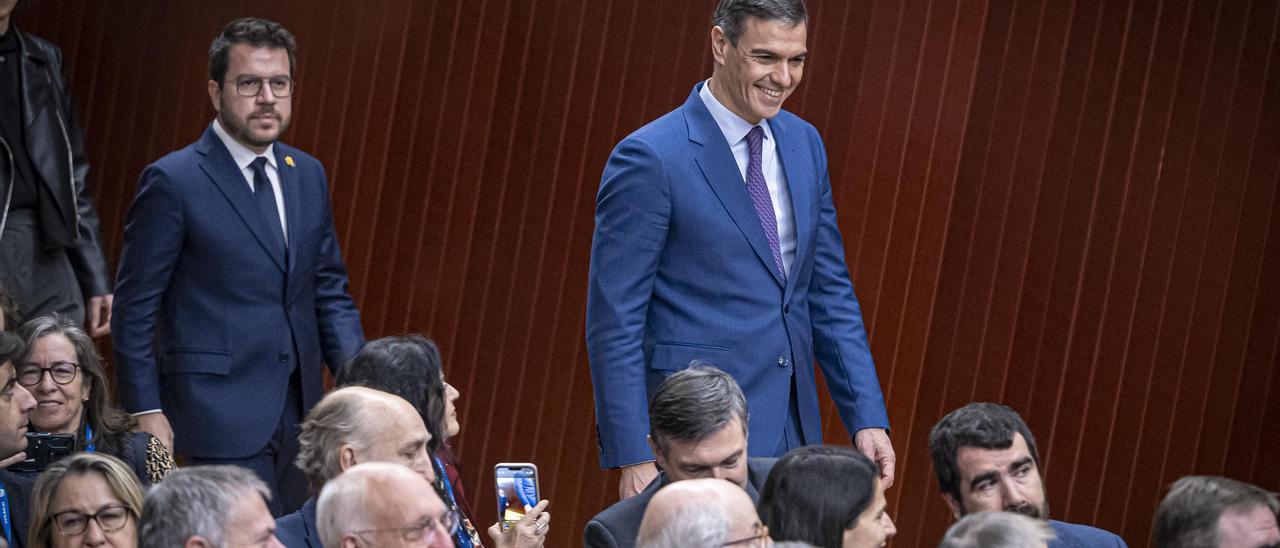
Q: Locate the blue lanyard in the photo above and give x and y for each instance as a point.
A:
(463, 537)
(89, 446)
(4, 515)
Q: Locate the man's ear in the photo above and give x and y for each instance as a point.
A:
(215, 95)
(957, 509)
(659, 458)
(349, 541)
(719, 44)
(197, 542)
(347, 457)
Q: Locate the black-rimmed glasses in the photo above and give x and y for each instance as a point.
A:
(30, 374)
(110, 518)
(251, 86)
(423, 529)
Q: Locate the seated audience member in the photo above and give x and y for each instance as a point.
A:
(383, 504)
(409, 367)
(63, 371)
(697, 429)
(15, 403)
(208, 506)
(985, 459)
(828, 496)
(998, 530)
(701, 512)
(1209, 511)
(87, 499)
(347, 427)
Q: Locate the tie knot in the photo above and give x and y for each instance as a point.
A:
(755, 136)
(259, 164)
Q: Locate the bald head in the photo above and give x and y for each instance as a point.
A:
(376, 502)
(699, 512)
(355, 425)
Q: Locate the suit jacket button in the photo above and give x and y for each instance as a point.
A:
(782, 362)
(284, 356)
(786, 308)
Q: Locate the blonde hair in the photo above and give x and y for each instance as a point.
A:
(123, 483)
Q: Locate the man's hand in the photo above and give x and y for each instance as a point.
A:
(157, 425)
(99, 310)
(12, 460)
(635, 478)
(529, 532)
(874, 443)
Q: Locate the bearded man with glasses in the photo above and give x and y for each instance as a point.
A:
(232, 292)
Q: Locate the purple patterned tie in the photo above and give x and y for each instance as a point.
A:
(760, 196)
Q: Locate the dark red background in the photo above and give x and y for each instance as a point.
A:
(1066, 205)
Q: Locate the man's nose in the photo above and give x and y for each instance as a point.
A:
(889, 528)
(265, 95)
(1013, 495)
(782, 75)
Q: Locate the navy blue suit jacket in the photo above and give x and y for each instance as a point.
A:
(681, 270)
(1073, 535)
(298, 530)
(210, 315)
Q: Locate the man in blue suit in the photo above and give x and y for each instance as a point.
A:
(716, 239)
(232, 290)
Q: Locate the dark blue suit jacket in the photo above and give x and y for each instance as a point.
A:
(1072, 535)
(298, 530)
(681, 270)
(210, 315)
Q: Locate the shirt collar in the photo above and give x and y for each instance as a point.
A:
(731, 125)
(240, 153)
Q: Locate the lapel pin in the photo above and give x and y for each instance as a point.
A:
(288, 160)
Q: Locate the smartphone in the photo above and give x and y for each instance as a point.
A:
(517, 484)
(44, 449)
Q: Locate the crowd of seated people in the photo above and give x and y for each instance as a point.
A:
(376, 454)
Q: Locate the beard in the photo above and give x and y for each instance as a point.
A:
(239, 127)
(1030, 510)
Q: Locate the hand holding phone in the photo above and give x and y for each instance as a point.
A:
(517, 489)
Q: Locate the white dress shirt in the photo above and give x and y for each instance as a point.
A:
(735, 131)
(243, 157)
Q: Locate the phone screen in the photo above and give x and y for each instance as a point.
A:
(517, 487)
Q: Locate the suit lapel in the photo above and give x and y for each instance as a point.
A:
(800, 181)
(718, 166)
(221, 169)
(290, 188)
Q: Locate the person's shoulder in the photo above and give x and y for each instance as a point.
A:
(621, 520)
(40, 47)
(1071, 535)
(298, 155)
(291, 530)
(761, 465)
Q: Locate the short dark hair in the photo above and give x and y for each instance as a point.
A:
(982, 425)
(10, 311)
(409, 367)
(255, 32)
(815, 493)
(731, 15)
(1188, 516)
(695, 403)
(11, 348)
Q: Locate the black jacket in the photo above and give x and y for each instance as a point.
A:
(55, 144)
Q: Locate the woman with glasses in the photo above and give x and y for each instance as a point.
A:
(87, 499)
(410, 367)
(828, 496)
(63, 371)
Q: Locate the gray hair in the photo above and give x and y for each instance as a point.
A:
(731, 15)
(792, 544)
(336, 421)
(194, 501)
(341, 505)
(695, 403)
(1188, 516)
(693, 525)
(997, 530)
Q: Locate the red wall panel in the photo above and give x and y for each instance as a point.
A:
(1067, 206)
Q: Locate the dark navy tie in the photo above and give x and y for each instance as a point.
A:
(266, 199)
(760, 196)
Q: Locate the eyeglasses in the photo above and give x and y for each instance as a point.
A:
(251, 86)
(761, 532)
(110, 518)
(30, 374)
(424, 530)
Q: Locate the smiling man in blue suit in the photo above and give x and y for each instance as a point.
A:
(716, 239)
(232, 290)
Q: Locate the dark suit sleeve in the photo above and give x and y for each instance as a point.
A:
(153, 235)
(341, 334)
(839, 338)
(86, 255)
(598, 536)
(632, 212)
